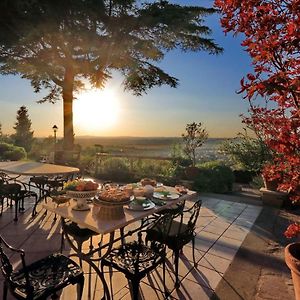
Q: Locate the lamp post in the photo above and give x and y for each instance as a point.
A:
(55, 128)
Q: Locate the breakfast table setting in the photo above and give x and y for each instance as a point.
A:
(105, 209)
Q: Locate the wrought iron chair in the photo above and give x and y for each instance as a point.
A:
(179, 235)
(14, 192)
(40, 279)
(135, 259)
(80, 235)
(44, 186)
(40, 183)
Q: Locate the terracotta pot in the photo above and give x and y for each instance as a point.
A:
(292, 259)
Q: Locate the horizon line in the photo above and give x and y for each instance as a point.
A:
(131, 136)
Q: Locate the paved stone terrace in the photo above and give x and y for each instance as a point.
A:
(221, 229)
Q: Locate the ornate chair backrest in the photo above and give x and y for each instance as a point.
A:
(3, 177)
(189, 227)
(6, 266)
(194, 211)
(39, 181)
(164, 223)
(11, 189)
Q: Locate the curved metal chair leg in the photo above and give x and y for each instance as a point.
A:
(135, 284)
(4, 290)
(80, 286)
(193, 248)
(34, 207)
(176, 262)
(105, 296)
(167, 293)
(79, 244)
(16, 210)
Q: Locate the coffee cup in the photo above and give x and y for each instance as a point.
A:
(140, 200)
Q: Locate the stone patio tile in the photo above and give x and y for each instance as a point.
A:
(16, 240)
(206, 277)
(204, 241)
(121, 294)
(253, 208)
(239, 205)
(191, 291)
(224, 252)
(219, 222)
(216, 263)
(148, 292)
(155, 278)
(216, 230)
(226, 219)
(228, 242)
(247, 217)
(70, 292)
(188, 254)
(206, 212)
(204, 221)
(41, 241)
(234, 234)
(234, 210)
(243, 223)
(198, 228)
(184, 267)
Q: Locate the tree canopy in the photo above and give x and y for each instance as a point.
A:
(194, 137)
(271, 31)
(62, 45)
(23, 136)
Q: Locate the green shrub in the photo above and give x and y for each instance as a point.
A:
(247, 153)
(4, 147)
(243, 176)
(152, 168)
(257, 182)
(130, 170)
(115, 169)
(214, 177)
(11, 152)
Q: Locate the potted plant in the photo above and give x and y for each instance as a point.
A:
(292, 257)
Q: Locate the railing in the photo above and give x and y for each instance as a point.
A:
(94, 166)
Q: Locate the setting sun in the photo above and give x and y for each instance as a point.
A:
(95, 110)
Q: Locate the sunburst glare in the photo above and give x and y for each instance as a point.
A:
(95, 110)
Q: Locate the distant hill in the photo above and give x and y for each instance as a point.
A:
(85, 141)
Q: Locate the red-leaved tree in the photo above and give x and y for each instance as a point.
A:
(271, 31)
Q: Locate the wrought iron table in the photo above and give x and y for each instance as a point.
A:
(32, 168)
(88, 219)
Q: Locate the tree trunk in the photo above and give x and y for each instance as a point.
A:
(68, 109)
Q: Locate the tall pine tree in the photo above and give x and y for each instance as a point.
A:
(23, 136)
(62, 45)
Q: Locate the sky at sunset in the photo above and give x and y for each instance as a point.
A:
(206, 93)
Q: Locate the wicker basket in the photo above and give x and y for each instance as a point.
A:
(109, 210)
(81, 194)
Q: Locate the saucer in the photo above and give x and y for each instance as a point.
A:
(171, 196)
(135, 206)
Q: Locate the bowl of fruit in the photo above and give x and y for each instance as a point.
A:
(81, 188)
